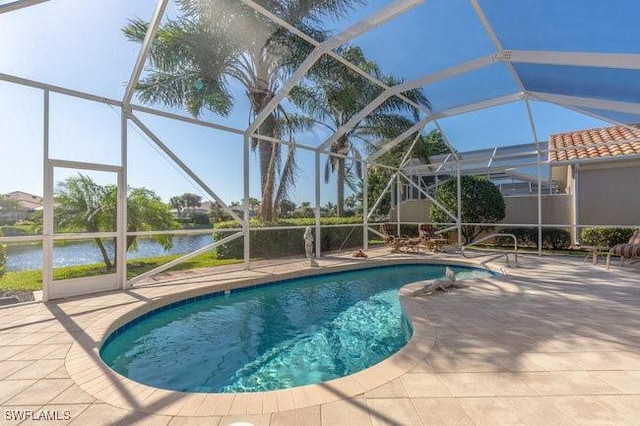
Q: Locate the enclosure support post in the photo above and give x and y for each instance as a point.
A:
(47, 219)
(539, 206)
(459, 203)
(398, 202)
(317, 209)
(245, 224)
(576, 204)
(365, 207)
(121, 211)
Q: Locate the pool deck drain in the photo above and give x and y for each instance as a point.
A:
(555, 341)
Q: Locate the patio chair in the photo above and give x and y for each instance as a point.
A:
(430, 240)
(395, 242)
(630, 250)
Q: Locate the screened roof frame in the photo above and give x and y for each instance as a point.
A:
(628, 61)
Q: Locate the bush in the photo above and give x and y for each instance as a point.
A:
(552, 238)
(608, 237)
(556, 238)
(13, 231)
(482, 202)
(288, 242)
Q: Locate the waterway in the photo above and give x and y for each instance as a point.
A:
(23, 257)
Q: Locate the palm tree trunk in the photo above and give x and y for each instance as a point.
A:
(340, 185)
(105, 255)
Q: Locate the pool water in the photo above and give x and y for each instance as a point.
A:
(291, 333)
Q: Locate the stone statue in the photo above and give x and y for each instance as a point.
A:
(308, 242)
(308, 247)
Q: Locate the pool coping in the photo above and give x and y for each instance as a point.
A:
(86, 368)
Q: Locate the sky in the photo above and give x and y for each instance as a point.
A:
(85, 50)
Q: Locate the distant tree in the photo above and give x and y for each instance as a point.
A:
(177, 203)
(254, 204)
(482, 202)
(218, 214)
(191, 201)
(351, 202)
(9, 204)
(330, 209)
(429, 145)
(83, 205)
(287, 207)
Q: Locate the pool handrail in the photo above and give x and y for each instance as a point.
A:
(491, 251)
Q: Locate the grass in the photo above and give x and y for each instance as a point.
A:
(32, 280)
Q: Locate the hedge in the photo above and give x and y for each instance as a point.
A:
(288, 242)
(608, 237)
(552, 238)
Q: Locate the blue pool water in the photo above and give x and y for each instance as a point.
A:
(291, 333)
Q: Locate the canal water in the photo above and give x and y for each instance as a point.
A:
(23, 257)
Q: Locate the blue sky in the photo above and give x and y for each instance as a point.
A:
(85, 50)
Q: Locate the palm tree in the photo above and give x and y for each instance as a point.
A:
(334, 94)
(83, 205)
(193, 57)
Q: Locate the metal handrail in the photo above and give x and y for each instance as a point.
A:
(487, 237)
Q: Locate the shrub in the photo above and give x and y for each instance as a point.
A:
(482, 202)
(556, 238)
(288, 242)
(608, 237)
(552, 238)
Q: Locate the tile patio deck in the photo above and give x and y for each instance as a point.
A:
(554, 341)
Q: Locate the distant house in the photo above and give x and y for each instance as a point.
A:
(29, 203)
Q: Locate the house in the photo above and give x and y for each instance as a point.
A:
(591, 178)
(29, 203)
(600, 168)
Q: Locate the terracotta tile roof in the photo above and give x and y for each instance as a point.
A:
(613, 141)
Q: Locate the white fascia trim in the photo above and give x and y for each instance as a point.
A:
(144, 51)
(626, 107)
(578, 59)
(20, 4)
(331, 43)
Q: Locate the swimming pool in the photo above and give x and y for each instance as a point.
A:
(285, 334)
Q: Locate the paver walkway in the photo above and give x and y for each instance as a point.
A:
(554, 342)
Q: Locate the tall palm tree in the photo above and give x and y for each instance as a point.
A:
(193, 58)
(333, 94)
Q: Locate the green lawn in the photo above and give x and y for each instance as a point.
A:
(32, 280)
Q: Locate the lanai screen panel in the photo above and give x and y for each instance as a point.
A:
(75, 44)
(567, 26)
(426, 39)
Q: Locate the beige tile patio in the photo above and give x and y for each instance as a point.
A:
(567, 383)
(309, 416)
(485, 384)
(420, 385)
(41, 392)
(348, 412)
(441, 411)
(586, 410)
(399, 411)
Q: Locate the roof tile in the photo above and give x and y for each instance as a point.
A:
(602, 142)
